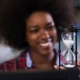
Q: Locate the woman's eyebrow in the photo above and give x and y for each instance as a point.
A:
(36, 26)
(50, 23)
(33, 26)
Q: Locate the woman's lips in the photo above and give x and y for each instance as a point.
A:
(45, 44)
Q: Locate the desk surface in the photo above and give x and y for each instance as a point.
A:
(72, 74)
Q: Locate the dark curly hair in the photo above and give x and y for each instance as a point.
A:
(14, 12)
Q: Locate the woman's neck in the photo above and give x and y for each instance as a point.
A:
(42, 60)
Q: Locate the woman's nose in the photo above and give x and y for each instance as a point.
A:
(45, 34)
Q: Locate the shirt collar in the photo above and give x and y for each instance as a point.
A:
(28, 60)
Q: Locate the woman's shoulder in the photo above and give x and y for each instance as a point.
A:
(12, 63)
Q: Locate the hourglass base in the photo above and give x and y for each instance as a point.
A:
(69, 66)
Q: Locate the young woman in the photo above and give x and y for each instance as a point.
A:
(31, 25)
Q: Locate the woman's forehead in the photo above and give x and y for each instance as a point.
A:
(39, 18)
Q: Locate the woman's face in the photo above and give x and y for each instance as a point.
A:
(41, 33)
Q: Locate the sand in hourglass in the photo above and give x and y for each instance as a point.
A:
(68, 43)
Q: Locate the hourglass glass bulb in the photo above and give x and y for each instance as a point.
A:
(69, 55)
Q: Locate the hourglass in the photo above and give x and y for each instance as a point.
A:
(68, 40)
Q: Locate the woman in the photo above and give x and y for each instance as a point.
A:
(31, 25)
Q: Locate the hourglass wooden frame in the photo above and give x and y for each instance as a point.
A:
(71, 29)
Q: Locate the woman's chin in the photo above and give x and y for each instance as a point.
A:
(45, 53)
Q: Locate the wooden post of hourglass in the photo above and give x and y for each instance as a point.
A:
(59, 38)
(76, 46)
(74, 29)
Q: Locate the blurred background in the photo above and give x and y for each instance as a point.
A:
(7, 49)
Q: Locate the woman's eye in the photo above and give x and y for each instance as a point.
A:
(50, 27)
(34, 31)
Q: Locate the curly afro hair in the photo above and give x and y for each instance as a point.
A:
(13, 13)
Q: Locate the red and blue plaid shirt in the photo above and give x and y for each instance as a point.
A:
(24, 62)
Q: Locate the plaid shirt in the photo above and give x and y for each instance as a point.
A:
(23, 62)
